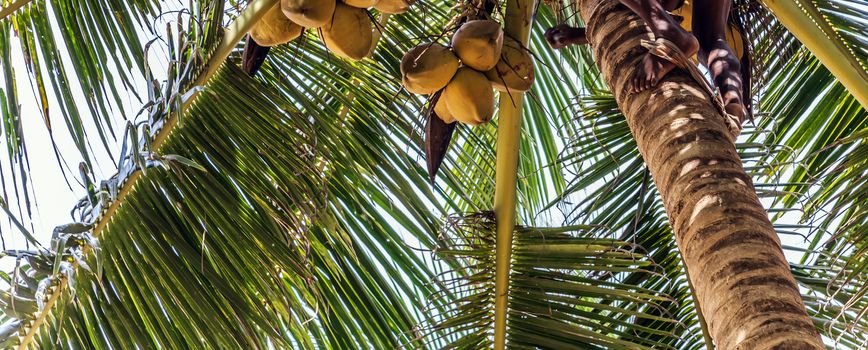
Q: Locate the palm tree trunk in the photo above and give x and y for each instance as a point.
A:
(743, 282)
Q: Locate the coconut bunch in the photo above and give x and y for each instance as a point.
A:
(461, 79)
(478, 61)
(344, 26)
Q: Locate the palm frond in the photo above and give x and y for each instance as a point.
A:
(256, 190)
(819, 127)
(310, 225)
(557, 299)
(187, 235)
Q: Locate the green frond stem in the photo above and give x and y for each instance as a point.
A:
(233, 35)
(517, 23)
(43, 314)
(822, 41)
(8, 10)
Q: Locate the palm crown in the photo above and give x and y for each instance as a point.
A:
(294, 209)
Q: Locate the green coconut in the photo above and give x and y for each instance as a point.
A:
(349, 33)
(427, 68)
(275, 29)
(514, 71)
(469, 97)
(478, 43)
(308, 13)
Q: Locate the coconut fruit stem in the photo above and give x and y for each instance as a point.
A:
(517, 21)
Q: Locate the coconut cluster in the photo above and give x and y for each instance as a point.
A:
(478, 59)
(343, 25)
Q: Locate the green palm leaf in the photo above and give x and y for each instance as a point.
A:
(312, 223)
(557, 300)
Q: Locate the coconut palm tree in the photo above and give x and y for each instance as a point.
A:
(293, 209)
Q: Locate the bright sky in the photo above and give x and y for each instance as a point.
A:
(52, 195)
(52, 198)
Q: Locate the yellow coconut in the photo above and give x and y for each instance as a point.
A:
(275, 29)
(469, 97)
(394, 6)
(514, 71)
(349, 33)
(308, 13)
(478, 44)
(442, 111)
(427, 68)
(362, 4)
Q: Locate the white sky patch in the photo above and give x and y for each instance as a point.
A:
(52, 199)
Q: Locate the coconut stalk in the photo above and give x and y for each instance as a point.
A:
(517, 22)
(819, 37)
(234, 33)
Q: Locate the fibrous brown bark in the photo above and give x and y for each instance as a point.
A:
(742, 279)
